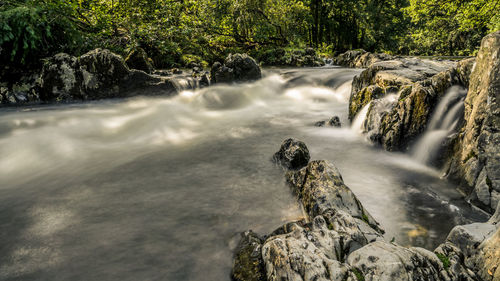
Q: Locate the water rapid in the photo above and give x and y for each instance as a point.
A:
(160, 188)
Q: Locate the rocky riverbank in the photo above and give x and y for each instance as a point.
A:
(101, 74)
(400, 95)
(340, 240)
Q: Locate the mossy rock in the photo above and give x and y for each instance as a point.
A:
(138, 59)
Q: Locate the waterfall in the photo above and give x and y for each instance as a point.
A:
(443, 123)
(359, 120)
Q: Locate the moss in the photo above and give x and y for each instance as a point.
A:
(444, 260)
(365, 218)
(471, 154)
(359, 275)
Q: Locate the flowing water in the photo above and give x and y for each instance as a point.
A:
(443, 123)
(159, 188)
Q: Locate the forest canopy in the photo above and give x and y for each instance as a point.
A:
(176, 32)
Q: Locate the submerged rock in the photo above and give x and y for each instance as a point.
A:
(236, 68)
(138, 59)
(333, 122)
(293, 154)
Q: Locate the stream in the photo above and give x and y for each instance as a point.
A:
(160, 188)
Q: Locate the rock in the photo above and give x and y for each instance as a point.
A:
(360, 58)
(495, 218)
(248, 263)
(176, 71)
(61, 79)
(310, 52)
(452, 260)
(358, 100)
(236, 68)
(205, 80)
(476, 159)
(138, 59)
(97, 74)
(320, 124)
(305, 253)
(335, 122)
(487, 261)
(293, 154)
(321, 189)
(468, 237)
(385, 261)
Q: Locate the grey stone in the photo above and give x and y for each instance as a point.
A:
(468, 237)
(321, 189)
(236, 68)
(293, 154)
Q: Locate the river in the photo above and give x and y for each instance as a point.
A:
(159, 188)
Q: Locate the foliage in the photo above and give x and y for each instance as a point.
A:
(445, 260)
(451, 27)
(30, 31)
(173, 33)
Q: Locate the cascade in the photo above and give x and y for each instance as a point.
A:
(443, 123)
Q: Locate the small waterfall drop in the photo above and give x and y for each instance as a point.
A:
(443, 123)
(359, 120)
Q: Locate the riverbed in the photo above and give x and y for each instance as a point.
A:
(160, 188)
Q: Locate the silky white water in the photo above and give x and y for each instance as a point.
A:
(159, 188)
(443, 123)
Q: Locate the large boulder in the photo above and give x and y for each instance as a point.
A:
(321, 189)
(360, 58)
(61, 78)
(97, 74)
(476, 160)
(138, 59)
(293, 154)
(236, 68)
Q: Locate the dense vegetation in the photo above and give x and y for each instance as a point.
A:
(176, 32)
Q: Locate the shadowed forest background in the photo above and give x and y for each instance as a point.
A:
(177, 32)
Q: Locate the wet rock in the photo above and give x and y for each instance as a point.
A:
(358, 100)
(320, 124)
(176, 71)
(205, 80)
(248, 263)
(293, 154)
(236, 68)
(321, 189)
(476, 160)
(335, 122)
(138, 59)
